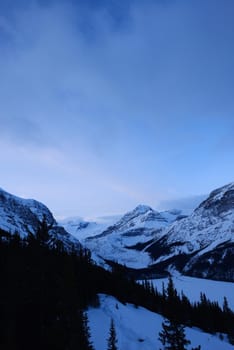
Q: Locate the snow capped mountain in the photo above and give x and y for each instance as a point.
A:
(205, 239)
(138, 227)
(24, 216)
(144, 217)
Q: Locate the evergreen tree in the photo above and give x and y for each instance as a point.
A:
(79, 332)
(112, 340)
(87, 332)
(172, 336)
(172, 303)
(171, 291)
(42, 233)
(226, 308)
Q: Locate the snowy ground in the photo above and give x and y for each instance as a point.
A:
(192, 287)
(138, 328)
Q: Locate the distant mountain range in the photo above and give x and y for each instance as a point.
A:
(124, 240)
(147, 241)
(199, 244)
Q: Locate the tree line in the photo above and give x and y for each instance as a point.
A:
(204, 314)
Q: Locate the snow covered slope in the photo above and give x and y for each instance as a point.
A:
(24, 216)
(121, 242)
(203, 243)
(138, 328)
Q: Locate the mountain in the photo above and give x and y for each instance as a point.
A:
(25, 215)
(200, 244)
(203, 243)
(142, 219)
(125, 240)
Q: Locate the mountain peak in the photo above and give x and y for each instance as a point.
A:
(219, 192)
(142, 209)
(221, 199)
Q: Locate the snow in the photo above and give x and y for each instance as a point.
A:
(138, 328)
(95, 227)
(192, 287)
(113, 248)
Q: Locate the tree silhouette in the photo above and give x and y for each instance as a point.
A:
(112, 340)
(42, 233)
(172, 336)
(83, 342)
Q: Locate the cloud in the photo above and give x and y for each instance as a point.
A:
(142, 91)
(186, 203)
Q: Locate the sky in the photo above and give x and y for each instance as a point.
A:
(107, 104)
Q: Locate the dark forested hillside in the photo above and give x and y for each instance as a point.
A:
(44, 293)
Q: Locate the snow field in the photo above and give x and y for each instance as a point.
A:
(138, 328)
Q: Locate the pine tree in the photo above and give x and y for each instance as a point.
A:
(112, 340)
(171, 291)
(172, 336)
(42, 233)
(226, 308)
(172, 302)
(81, 336)
(89, 344)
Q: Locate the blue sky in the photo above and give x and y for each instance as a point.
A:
(108, 104)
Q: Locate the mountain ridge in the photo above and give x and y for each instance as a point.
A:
(23, 216)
